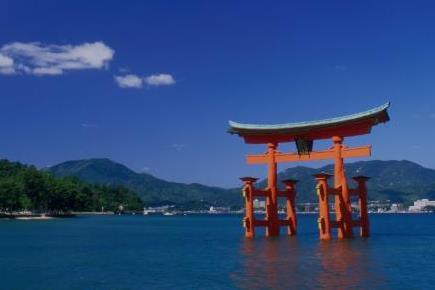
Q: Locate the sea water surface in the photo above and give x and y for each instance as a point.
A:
(210, 252)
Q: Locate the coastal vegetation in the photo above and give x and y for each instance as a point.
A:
(24, 187)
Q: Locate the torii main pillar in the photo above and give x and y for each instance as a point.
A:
(343, 207)
(272, 228)
(303, 134)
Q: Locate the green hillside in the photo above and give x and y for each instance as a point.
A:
(149, 188)
(401, 181)
(25, 187)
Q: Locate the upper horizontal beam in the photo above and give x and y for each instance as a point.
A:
(362, 151)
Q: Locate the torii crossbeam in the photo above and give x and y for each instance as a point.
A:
(304, 134)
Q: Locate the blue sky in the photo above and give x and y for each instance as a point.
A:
(194, 65)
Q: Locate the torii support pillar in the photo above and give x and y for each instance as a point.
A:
(248, 193)
(362, 200)
(290, 193)
(322, 192)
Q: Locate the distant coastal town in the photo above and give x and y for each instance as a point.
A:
(374, 207)
(419, 206)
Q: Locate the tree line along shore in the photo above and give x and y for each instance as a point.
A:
(25, 190)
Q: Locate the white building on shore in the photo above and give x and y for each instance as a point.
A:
(420, 204)
(259, 204)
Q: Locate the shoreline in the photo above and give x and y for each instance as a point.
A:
(34, 216)
(78, 214)
(42, 217)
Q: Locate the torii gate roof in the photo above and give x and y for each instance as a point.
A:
(350, 125)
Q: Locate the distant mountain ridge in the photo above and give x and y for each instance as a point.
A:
(148, 187)
(400, 181)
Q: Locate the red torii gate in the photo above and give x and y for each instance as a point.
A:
(303, 134)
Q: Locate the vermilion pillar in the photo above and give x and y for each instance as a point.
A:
(290, 190)
(272, 199)
(322, 192)
(248, 193)
(362, 199)
(343, 208)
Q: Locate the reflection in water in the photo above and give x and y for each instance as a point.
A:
(294, 263)
(269, 263)
(345, 264)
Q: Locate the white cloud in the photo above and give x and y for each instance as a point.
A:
(49, 59)
(129, 81)
(6, 61)
(137, 82)
(6, 65)
(160, 80)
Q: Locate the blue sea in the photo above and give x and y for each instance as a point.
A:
(210, 252)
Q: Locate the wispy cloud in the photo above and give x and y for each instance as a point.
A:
(129, 81)
(137, 82)
(177, 147)
(124, 70)
(145, 169)
(36, 58)
(160, 80)
(425, 115)
(88, 125)
(340, 67)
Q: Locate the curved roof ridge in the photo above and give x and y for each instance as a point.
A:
(234, 126)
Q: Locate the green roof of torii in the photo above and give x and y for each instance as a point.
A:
(378, 115)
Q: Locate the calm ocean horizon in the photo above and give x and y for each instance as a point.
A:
(210, 252)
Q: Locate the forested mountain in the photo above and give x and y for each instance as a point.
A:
(150, 189)
(25, 187)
